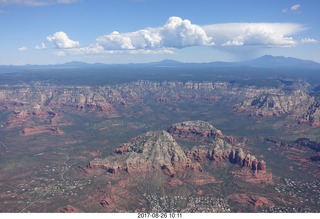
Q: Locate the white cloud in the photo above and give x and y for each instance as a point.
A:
(60, 53)
(96, 49)
(62, 41)
(36, 3)
(233, 43)
(253, 34)
(40, 46)
(295, 8)
(176, 33)
(22, 49)
(308, 40)
(115, 40)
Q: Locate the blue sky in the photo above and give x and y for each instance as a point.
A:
(125, 31)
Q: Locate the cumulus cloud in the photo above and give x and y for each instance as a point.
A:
(96, 49)
(180, 33)
(253, 34)
(176, 33)
(115, 40)
(22, 49)
(36, 3)
(308, 40)
(62, 41)
(41, 46)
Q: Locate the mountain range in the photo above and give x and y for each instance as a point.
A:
(267, 61)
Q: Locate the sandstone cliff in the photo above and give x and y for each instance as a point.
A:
(277, 103)
(158, 151)
(258, 101)
(217, 146)
(312, 114)
(191, 129)
(153, 151)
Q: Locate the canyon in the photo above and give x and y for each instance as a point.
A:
(187, 146)
(29, 103)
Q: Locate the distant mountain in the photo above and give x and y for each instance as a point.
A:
(165, 62)
(266, 61)
(75, 64)
(269, 61)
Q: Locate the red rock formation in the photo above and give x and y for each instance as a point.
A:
(153, 151)
(159, 152)
(253, 176)
(220, 149)
(109, 201)
(41, 129)
(262, 166)
(194, 129)
(254, 201)
(173, 182)
(69, 209)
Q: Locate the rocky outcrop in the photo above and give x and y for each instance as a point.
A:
(25, 115)
(109, 201)
(192, 129)
(217, 146)
(313, 145)
(305, 142)
(258, 101)
(312, 114)
(277, 103)
(251, 201)
(158, 151)
(221, 150)
(153, 151)
(69, 209)
(256, 177)
(41, 129)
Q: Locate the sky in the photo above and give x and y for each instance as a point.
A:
(138, 31)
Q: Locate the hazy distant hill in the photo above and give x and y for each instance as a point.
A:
(269, 61)
(266, 61)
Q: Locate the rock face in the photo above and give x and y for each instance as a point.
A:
(158, 151)
(251, 201)
(69, 209)
(216, 147)
(305, 142)
(153, 151)
(190, 129)
(258, 101)
(311, 115)
(313, 145)
(277, 103)
(41, 129)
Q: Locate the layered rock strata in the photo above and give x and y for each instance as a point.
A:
(153, 151)
(259, 101)
(216, 147)
(158, 151)
(189, 129)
